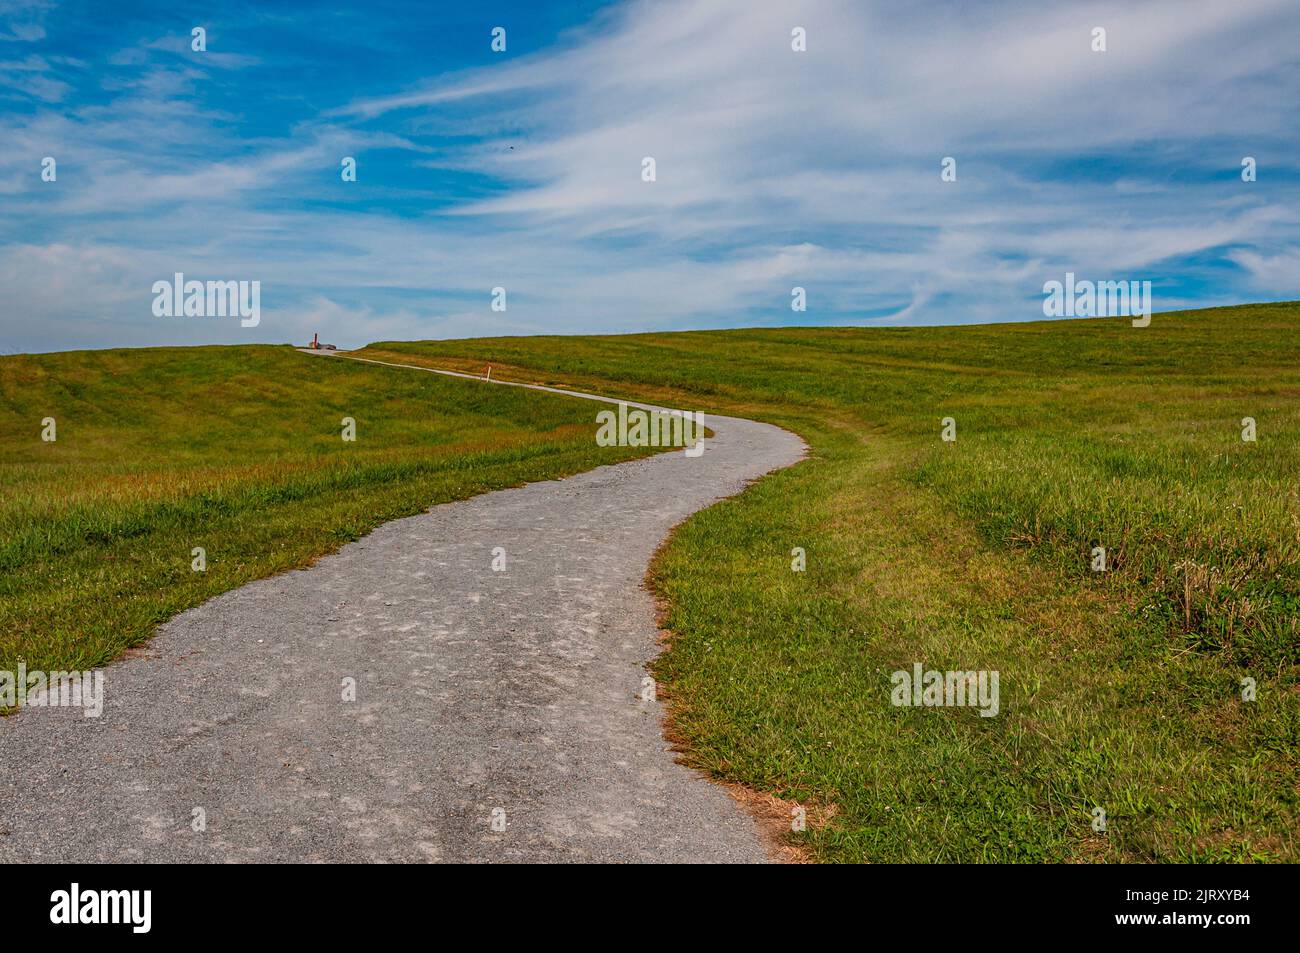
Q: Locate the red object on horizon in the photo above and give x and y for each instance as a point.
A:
(315, 341)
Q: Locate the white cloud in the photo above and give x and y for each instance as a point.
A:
(775, 168)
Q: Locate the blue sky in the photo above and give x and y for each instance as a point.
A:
(522, 169)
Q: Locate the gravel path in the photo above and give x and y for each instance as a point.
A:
(483, 698)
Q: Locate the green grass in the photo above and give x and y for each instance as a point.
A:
(1120, 690)
(237, 450)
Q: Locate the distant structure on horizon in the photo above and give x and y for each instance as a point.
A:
(315, 344)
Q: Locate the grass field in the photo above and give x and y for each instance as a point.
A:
(239, 451)
(1120, 690)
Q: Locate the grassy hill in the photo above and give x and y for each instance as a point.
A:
(1120, 690)
(239, 451)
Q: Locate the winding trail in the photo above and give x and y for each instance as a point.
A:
(515, 692)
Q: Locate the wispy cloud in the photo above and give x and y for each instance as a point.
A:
(774, 168)
(22, 21)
